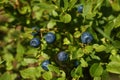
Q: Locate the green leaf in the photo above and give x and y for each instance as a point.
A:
(94, 34)
(31, 72)
(83, 63)
(20, 52)
(58, 3)
(9, 65)
(63, 74)
(53, 68)
(20, 49)
(66, 18)
(77, 34)
(38, 12)
(116, 22)
(88, 49)
(32, 52)
(72, 3)
(108, 28)
(97, 78)
(62, 78)
(105, 35)
(105, 75)
(114, 51)
(116, 44)
(114, 65)
(47, 75)
(65, 4)
(87, 10)
(77, 73)
(1, 61)
(8, 57)
(54, 13)
(91, 16)
(46, 6)
(96, 70)
(77, 54)
(115, 5)
(8, 76)
(72, 48)
(118, 35)
(99, 4)
(99, 48)
(70, 38)
(24, 9)
(66, 41)
(51, 24)
(29, 60)
(93, 56)
(115, 58)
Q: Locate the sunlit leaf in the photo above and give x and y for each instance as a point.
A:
(96, 70)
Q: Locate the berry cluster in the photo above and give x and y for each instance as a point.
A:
(62, 56)
(50, 38)
(35, 42)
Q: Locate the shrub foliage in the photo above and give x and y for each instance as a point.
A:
(20, 61)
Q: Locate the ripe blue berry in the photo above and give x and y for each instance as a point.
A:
(80, 8)
(50, 37)
(86, 38)
(76, 63)
(44, 64)
(35, 42)
(62, 56)
(36, 31)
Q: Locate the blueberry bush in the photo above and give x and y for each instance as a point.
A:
(59, 39)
